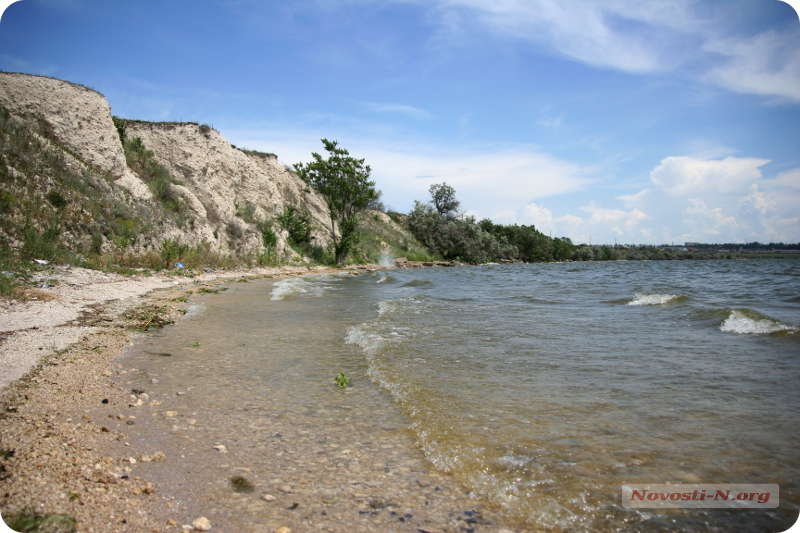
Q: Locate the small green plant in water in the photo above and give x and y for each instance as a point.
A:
(241, 484)
(342, 380)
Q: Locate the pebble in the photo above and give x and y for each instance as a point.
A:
(157, 457)
(220, 448)
(268, 498)
(283, 529)
(202, 524)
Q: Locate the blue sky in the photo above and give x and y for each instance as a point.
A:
(610, 120)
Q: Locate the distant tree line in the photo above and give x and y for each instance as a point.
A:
(452, 235)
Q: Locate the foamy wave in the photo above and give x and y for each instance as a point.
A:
(746, 322)
(374, 339)
(643, 298)
(314, 286)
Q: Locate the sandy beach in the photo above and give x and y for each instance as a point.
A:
(66, 416)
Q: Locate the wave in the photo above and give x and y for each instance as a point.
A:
(418, 283)
(750, 322)
(644, 298)
(313, 286)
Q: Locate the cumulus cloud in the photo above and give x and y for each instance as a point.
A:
(708, 224)
(601, 222)
(682, 175)
(543, 219)
(719, 200)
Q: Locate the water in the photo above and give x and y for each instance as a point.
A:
(545, 387)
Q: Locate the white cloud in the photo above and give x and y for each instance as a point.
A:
(759, 202)
(543, 219)
(682, 175)
(492, 179)
(621, 222)
(602, 222)
(640, 37)
(583, 30)
(708, 224)
(767, 64)
(724, 200)
(410, 111)
(788, 178)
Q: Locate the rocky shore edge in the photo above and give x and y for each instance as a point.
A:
(64, 460)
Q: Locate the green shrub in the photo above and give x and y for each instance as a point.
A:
(41, 244)
(171, 251)
(56, 199)
(297, 223)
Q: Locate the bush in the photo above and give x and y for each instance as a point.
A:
(453, 238)
(56, 199)
(171, 251)
(42, 244)
(297, 223)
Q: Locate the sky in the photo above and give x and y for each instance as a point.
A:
(604, 121)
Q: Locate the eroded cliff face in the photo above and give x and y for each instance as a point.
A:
(75, 117)
(225, 191)
(220, 183)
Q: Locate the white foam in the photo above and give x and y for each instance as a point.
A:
(653, 299)
(386, 261)
(739, 322)
(383, 279)
(194, 311)
(314, 286)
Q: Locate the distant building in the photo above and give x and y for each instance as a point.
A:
(691, 244)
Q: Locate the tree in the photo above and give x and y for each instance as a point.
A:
(443, 197)
(343, 182)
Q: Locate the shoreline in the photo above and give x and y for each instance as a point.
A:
(63, 448)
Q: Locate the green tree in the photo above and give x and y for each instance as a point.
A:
(443, 198)
(343, 182)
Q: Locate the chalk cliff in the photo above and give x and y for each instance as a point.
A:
(224, 191)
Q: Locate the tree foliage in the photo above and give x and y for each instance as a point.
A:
(343, 181)
(443, 198)
(435, 225)
(442, 233)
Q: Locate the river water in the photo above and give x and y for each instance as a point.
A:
(542, 388)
